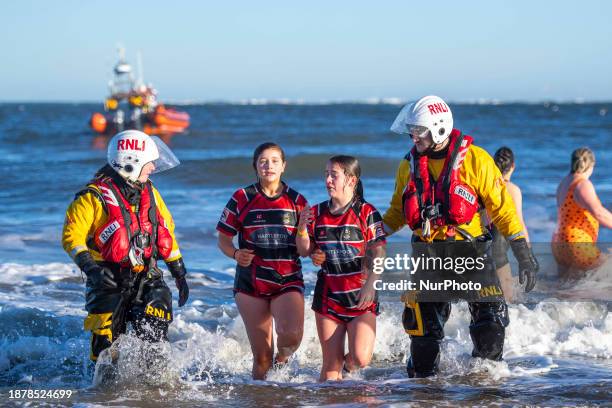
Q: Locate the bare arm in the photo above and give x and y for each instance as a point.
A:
(304, 244)
(376, 251)
(302, 239)
(586, 197)
(367, 293)
(517, 197)
(242, 256)
(226, 245)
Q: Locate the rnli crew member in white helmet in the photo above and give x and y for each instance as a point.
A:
(115, 230)
(440, 186)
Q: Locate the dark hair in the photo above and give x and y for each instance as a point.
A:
(351, 167)
(104, 171)
(504, 159)
(583, 159)
(263, 147)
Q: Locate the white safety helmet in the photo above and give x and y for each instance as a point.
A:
(428, 113)
(130, 150)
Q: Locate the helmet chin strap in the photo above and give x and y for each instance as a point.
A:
(429, 150)
(136, 184)
(432, 149)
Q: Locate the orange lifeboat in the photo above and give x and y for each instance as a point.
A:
(161, 121)
(168, 120)
(134, 105)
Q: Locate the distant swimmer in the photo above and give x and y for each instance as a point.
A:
(115, 230)
(268, 285)
(350, 232)
(580, 213)
(504, 160)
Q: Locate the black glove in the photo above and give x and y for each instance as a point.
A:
(98, 276)
(178, 272)
(528, 265)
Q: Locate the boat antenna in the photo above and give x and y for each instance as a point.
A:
(140, 80)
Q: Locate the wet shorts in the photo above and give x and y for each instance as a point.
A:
(338, 307)
(265, 282)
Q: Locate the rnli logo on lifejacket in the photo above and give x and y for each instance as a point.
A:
(157, 312)
(109, 231)
(462, 192)
(436, 108)
(131, 144)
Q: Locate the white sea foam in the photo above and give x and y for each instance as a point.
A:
(536, 337)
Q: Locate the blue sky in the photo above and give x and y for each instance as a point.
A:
(316, 50)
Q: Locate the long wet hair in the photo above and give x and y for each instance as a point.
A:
(583, 159)
(351, 167)
(504, 159)
(263, 147)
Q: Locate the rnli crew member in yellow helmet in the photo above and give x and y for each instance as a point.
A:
(440, 186)
(115, 230)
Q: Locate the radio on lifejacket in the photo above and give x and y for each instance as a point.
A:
(431, 212)
(140, 241)
(429, 215)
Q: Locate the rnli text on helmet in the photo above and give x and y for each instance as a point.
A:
(436, 108)
(130, 144)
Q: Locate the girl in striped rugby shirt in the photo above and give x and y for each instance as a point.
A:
(268, 284)
(350, 232)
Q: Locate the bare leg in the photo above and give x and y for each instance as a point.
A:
(288, 312)
(331, 336)
(258, 322)
(505, 279)
(361, 335)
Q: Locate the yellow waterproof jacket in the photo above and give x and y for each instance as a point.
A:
(479, 172)
(86, 214)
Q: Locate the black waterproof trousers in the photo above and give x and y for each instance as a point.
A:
(143, 299)
(425, 317)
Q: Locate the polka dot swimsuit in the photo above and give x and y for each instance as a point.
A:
(576, 235)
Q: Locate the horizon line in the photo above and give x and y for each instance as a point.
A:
(359, 101)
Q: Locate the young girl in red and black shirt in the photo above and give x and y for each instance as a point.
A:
(350, 233)
(268, 284)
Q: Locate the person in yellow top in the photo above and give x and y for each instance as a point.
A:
(115, 230)
(440, 187)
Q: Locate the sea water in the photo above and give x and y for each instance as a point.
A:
(558, 345)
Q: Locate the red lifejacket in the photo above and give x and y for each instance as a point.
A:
(115, 238)
(447, 201)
